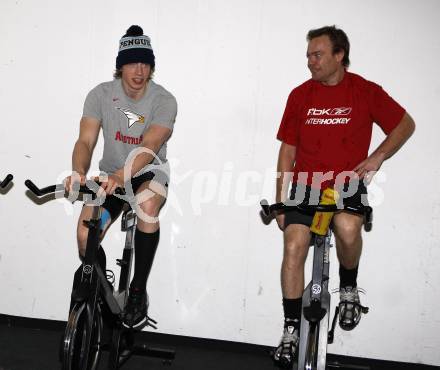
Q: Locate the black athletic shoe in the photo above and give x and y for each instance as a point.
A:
(135, 313)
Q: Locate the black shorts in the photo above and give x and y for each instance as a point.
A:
(305, 195)
(114, 205)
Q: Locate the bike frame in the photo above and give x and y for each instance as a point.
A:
(96, 284)
(316, 309)
(92, 280)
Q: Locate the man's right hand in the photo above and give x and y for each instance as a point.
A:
(280, 220)
(74, 178)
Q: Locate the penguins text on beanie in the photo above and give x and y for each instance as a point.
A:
(135, 47)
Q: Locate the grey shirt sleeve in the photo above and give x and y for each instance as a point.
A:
(92, 105)
(165, 112)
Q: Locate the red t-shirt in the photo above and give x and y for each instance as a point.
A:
(331, 126)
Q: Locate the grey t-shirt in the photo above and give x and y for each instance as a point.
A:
(124, 120)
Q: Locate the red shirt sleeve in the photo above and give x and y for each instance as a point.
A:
(288, 130)
(385, 111)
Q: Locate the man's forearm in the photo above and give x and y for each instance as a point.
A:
(81, 158)
(284, 177)
(286, 160)
(396, 138)
(145, 155)
(133, 166)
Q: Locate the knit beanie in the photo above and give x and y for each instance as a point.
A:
(135, 47)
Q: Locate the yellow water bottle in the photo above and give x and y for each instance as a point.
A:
(321, 220)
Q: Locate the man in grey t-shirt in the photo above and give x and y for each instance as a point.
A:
(137, 117)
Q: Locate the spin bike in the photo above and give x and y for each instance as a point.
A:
(84, 338)
(315, 333)
(6, 181)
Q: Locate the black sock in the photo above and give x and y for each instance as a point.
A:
(292, 311)
(145, 245)
(348, 277)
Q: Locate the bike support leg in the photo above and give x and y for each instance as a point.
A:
(337, 365)
(144, 350)
(123, 347)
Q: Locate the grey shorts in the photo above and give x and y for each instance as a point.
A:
(305, 195)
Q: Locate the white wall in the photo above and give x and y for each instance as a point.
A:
(231, 65)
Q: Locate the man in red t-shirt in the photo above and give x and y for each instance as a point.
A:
(325, 135)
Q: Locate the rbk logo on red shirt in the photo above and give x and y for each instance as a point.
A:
(341, 111)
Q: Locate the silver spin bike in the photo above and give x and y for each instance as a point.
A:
(315, 333)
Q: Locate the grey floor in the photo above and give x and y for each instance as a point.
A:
(37, 349)
(26, 344)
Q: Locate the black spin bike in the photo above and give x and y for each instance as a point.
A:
(95, 305)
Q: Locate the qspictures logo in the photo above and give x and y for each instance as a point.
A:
(333, 116)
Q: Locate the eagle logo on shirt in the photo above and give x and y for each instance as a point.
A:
(132, 117)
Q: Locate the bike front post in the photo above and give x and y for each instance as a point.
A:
(312, 351)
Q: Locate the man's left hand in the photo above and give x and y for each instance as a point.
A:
(367, 168)
(111, 183)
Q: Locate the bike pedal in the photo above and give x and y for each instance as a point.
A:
(286, 363)
(365, 310)
(330, 338)
(121, 262)
(151, 325)
(151, 322)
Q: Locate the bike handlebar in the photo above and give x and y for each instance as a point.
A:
(362, 210)
(60, 187)
(6, 181)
